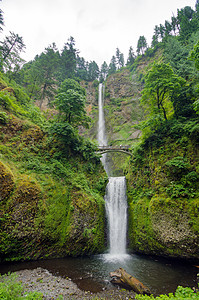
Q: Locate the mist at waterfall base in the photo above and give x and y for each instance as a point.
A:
(92, 273)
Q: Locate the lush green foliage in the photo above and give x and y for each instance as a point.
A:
(195, 55)
(70, 102)
(181, 293)
(11, 289)
(160, 84)
(14, 100)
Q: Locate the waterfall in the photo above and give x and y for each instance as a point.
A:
(115, 199)
(116, 209)
(101, 123)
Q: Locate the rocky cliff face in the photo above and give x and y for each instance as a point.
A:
(122, 108)
(163, 207)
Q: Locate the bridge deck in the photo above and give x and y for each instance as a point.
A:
(116, 148)
(106, 149)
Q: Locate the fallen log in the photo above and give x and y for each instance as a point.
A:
(126, 280)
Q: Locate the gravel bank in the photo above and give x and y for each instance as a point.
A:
(51, 287)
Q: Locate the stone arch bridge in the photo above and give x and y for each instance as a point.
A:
(107, 149)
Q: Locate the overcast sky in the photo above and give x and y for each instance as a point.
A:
(98, 27)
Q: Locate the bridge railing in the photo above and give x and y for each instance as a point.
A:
(102, 148)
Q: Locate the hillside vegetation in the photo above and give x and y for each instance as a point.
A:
(52, 181)
(51, 192)
(152, 106)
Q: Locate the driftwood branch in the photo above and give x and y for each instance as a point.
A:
(122, 278)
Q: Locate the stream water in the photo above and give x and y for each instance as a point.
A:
(92, 273)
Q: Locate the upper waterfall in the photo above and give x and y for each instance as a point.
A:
(101, 123)
(102, 141)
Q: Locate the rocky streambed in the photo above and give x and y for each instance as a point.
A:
(55, 287)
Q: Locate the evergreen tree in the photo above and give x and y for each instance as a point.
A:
(11, 48)
(141, 45)
(161, 31)
(131, 57)
(187, 23)
(197, 8)
(1, 20)
(49, 61)
(176, 55)
(168, 28)
(68, 60)
(81, 68)
(119, 59)
(103, 71)
(93, 71)
(155, 37)
(174, 24)
(112, 66)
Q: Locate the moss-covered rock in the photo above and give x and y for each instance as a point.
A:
(6, 182)
(162, 226)
(86, 234)
(50, 207)
(32, 135)
(163, 199)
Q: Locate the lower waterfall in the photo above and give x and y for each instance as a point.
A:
(116, 210)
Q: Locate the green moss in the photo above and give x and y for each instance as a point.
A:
(54, 204)
(7, 182)
(162, 189)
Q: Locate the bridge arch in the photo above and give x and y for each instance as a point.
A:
(108, 149)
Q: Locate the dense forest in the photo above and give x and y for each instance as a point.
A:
(52, 180)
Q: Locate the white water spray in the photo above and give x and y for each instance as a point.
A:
(116, 209)
(115, 199)
(102, 141)
(101, 123)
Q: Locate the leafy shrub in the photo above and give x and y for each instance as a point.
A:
(10, 289)
(35, 115)
(21, 96)
(138, 154)
(95, 83)
(177, 167)
(192, 129)
(190, 178)
(176, 190)
(9, 103)
(181, 293)
(3, 117)
(196, 106)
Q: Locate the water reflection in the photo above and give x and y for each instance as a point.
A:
(92, 273)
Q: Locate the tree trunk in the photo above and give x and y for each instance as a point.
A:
(126, 280)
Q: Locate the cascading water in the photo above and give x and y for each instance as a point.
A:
(101, 125)
(115, 199)
(116, 209)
